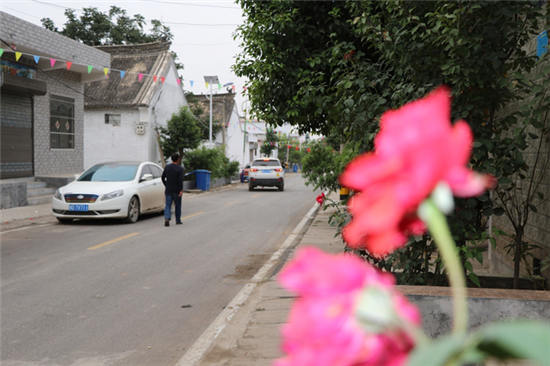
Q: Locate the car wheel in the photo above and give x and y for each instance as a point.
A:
(250, 187)
(64, 221)
(281, 188)
(133, 210)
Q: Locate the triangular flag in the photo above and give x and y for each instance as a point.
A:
(233, 86)
(52, 61)
(155, 78)
(69, 64)
(162, 78)
(191, 82)
(220, 86)
(140, 76)
(36, 59)
(17, 56)
(105, 71)
(178, 81)
(90, 67)
(122, 74)
(1, 51)
(207, 85)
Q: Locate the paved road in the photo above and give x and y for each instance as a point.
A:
(107, 293)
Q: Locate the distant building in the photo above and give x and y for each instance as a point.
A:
(42, 82)
(122, 113)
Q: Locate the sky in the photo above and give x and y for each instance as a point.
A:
(203, 32)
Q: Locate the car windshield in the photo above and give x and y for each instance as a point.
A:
(266, 163)
(114, 172)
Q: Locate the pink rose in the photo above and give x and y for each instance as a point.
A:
(416, 148)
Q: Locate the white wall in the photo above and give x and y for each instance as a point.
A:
(105, 142)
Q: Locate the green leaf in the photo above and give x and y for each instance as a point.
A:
(498, 211)
(504, 180)
(438, 352)
(474, 278)
(523, 339)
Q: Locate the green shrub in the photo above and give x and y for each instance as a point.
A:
(213, 160)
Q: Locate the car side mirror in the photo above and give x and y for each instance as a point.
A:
(146, 176)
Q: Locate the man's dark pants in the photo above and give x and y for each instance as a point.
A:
(172, 197)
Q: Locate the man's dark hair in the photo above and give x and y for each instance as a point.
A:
(175, 157)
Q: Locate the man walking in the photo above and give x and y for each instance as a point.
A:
(172, 178)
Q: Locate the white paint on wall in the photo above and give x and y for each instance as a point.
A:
(105, 142)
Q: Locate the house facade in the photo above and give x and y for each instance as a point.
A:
(123, 111)
(41, 104)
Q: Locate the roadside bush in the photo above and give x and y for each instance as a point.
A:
(213, 160)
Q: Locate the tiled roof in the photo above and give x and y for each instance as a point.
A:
(114, 92)
(222, 105)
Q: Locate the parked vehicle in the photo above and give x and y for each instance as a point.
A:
(111, 190)
(244, 173)
(266, 172)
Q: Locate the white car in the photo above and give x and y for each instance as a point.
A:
(266, 172)
(111, 190)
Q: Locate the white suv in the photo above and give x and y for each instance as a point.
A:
(266, 172)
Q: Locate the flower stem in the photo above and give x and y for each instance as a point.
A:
(437, 225)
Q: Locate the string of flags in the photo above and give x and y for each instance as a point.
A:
(106, 70)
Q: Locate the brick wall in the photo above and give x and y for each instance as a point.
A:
(538, 229)
(58, 161)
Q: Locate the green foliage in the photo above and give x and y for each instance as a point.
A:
(180, 134)
(336, 67)
(270, 142)
(213, 160)
(322, 166)
(202, 117)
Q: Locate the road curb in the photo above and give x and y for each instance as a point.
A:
(196, 352)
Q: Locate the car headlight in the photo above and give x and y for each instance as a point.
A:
(57, 195)
(113, 194)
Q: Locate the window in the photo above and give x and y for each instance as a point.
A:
(157, 172)
(112, 119)
(111, 172)
(61, 122)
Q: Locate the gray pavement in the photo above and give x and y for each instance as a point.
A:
(250, 334)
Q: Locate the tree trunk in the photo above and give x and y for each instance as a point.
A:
(517, 255)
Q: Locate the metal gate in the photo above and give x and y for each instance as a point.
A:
(16, 160)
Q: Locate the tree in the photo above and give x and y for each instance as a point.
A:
(336, 67)
(96, 28)
(270, 142)
(180, 134)
(202, 117)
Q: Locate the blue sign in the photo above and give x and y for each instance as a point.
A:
(542, 43)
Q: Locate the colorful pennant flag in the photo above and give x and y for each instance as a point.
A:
(233, 86)
(122, 74)
(191, 82)
(36, 59)
(178, 80)
(52, 61)
(155, 78)
(90, 67)
(1, 51)
(140, 76)
(219, 86)
(69, 64)
(207, 85)
(162, 78)
(17, 56)
(105, 71)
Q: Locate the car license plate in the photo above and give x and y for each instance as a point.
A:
(266, 171)
(78, 207)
